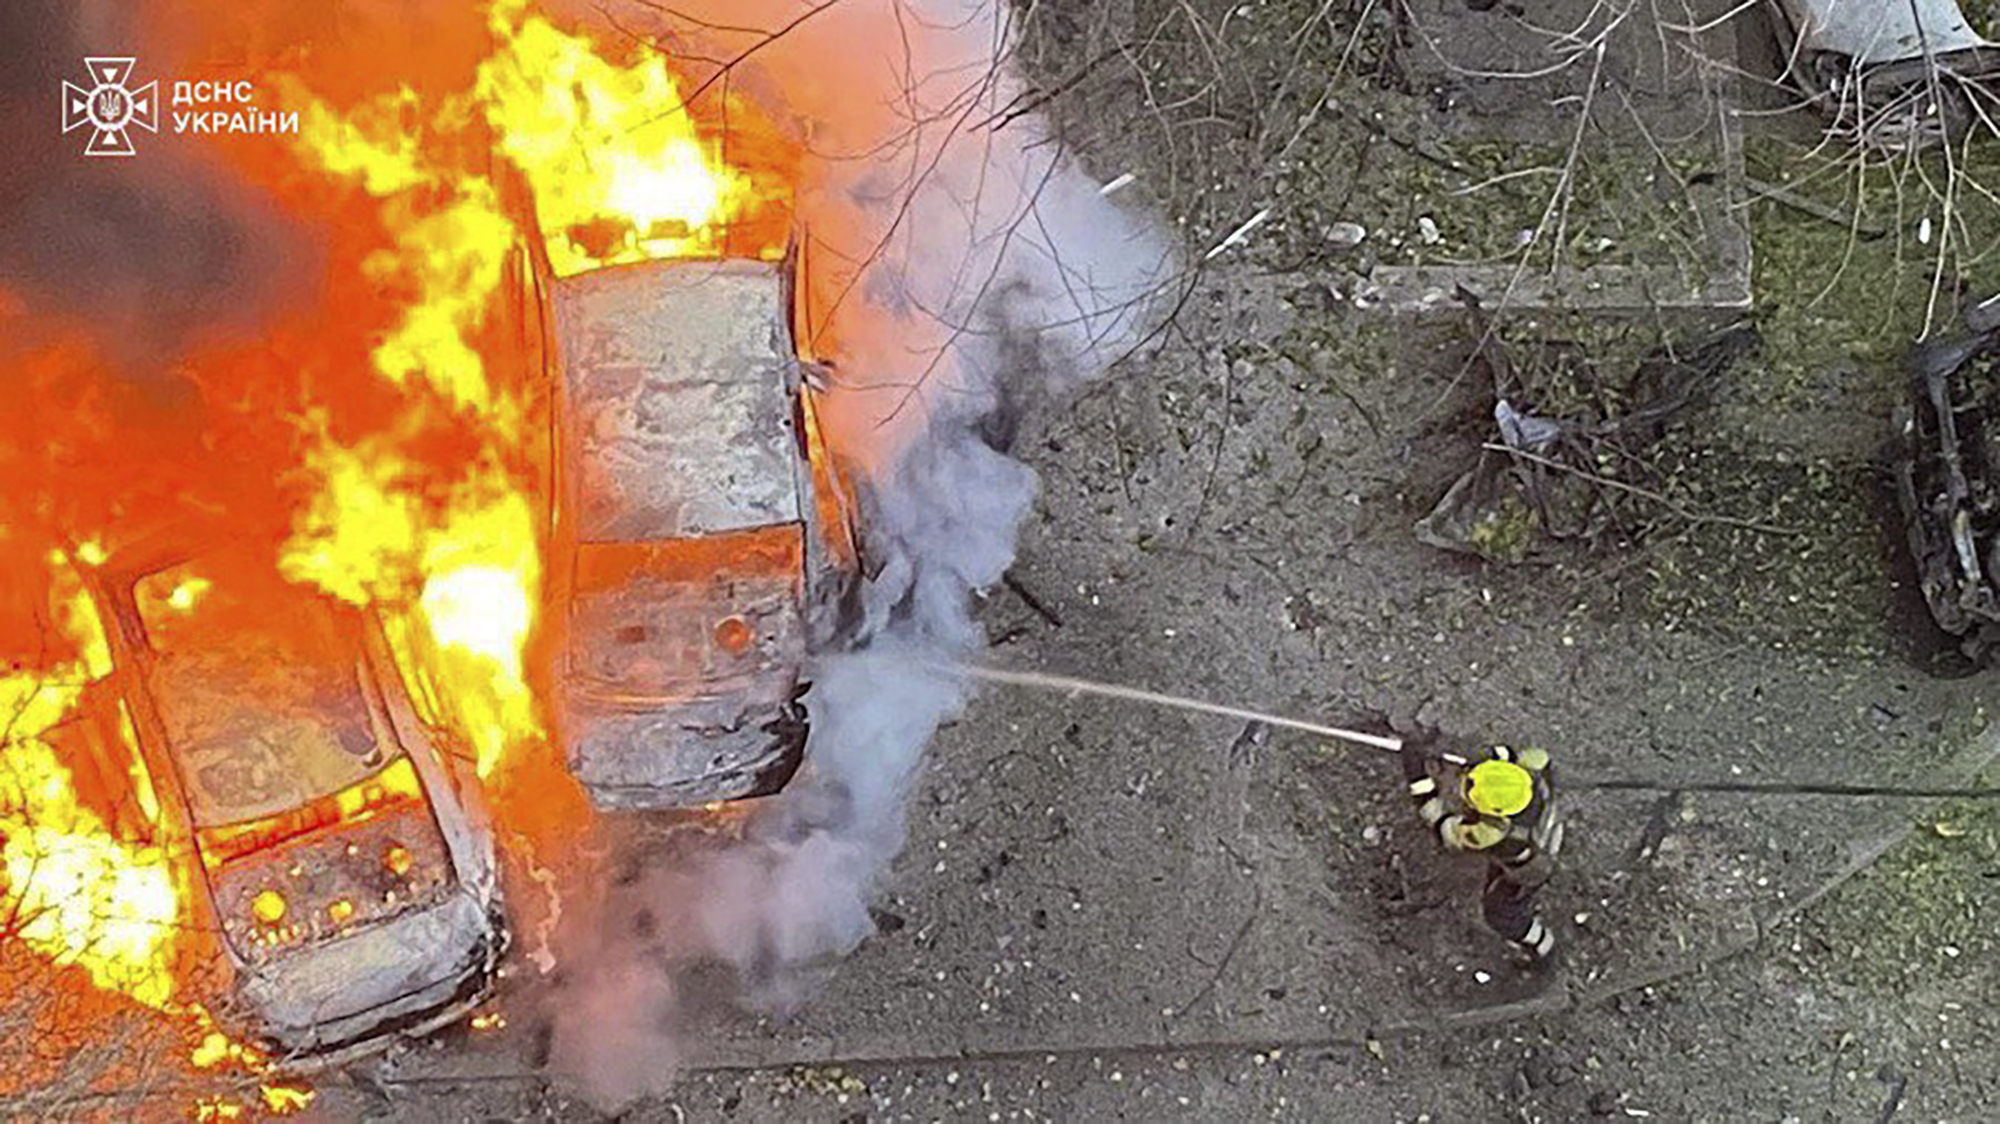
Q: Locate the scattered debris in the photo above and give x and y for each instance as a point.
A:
(1240, 234)
(1894, 76)
(1346, 235)
(1949, 449)
(1554, 477)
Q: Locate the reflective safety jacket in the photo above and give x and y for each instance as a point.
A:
(1522, 846)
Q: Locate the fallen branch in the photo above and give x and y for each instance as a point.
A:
(1645, 493)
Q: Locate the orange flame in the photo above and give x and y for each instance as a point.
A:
(597, 142)
(384, 434)
(76, 892)
(619, 170)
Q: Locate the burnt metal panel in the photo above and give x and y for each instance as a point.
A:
(345, 990)
(338, 863)
(677, 412)
(682, 672)
(666, 621)
(691, 753)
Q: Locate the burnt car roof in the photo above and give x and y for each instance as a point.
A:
(678, 420)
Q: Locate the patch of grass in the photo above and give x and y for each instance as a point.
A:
(1927, 911)
(1819, 584)
(1838, 311)
(1857, 293)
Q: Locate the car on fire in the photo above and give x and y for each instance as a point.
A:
(1890, 74)
(339, 855)
(705, 539)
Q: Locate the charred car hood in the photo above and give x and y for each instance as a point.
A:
(371, 980)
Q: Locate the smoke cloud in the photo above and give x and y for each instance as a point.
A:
(959, 272)
(147, 250)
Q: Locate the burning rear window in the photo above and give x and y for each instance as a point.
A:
(355, 804)
(264, 710)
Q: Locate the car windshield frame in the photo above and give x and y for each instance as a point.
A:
(251, 734)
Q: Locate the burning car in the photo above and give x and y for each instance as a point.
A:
(343, 864)
(704, 539)
(1891, 74)
(1947, 469)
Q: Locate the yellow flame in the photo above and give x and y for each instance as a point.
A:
(366, 515)
(283, 1100)
(459, 555)
(375, 144)
(80, 894)
(142, 778)
(479, 603)
(453, 254)
(378, 527)
(210, 1109)
(619, 171)
(187, 593)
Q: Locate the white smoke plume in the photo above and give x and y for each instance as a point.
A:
(961, 269)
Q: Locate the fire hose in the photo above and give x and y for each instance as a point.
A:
(1135, 694)
(1072, 685)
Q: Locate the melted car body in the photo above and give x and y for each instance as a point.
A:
(345, 867)
(1947, 469)
(701, 532)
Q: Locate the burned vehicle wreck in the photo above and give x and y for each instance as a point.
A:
(1946, 456)
(703, 538)
(1891, 75)
(344, 866)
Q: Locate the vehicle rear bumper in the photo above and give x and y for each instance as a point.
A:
(684, 755)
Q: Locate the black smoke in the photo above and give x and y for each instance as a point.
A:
(148, 250)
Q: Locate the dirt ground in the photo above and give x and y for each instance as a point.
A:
(1106, 911)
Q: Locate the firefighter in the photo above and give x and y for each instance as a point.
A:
(1498, 802)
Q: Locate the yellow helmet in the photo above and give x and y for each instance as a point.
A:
(1499, 788)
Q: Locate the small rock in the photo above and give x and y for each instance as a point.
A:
(1427, 229)
(1346, 235)
(1548, 1067)
(1371, 835)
